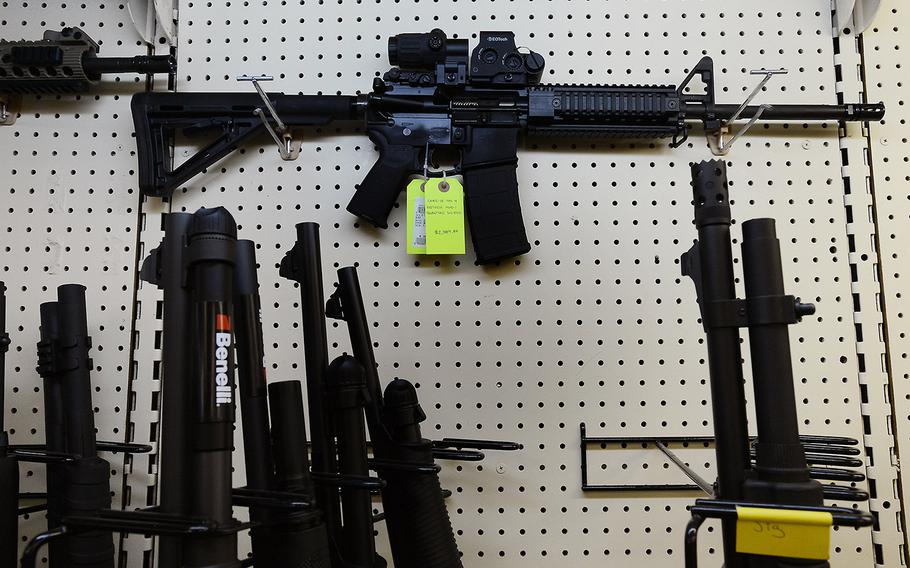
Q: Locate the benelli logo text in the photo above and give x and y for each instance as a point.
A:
(223, 391)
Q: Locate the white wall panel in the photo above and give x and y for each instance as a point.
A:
(595, 325)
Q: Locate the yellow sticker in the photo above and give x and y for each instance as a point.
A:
(783, 532)
(445, 216)
(416, 232)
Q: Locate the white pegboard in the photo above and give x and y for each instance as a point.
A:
(884, 42)
(70, 215)
(594, 325)
(859, 198)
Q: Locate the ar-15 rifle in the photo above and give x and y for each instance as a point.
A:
(438, 96)
(62, 63)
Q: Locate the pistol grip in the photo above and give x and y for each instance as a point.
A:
(374, 199)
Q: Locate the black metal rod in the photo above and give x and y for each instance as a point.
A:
(246, 497)
(459, 455)
(779, 454)
(300, 538)
(834, 440)
(361, 344)
(54, 428)
(76, 380)
(782, 473)
(468, 444)
(210, 259)
(30, 509)
(303, 263)
(728, 402)
(420, 532)
(55, 437)
(818, 459)
(164, 267)
(86, 478)
(346, 390)
(30, 554)
(292, 464)
(9, 467)
(251, 378)
(841, 516)
(125, 447)
(140, 64)
(795, 113)
(831, 449)
(4, 347)
(691, 541)
(836, 474)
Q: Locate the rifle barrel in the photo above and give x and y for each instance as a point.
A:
(142, 64)
(795, 113)
(9, 467)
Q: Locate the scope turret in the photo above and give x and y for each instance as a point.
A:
(425, 51)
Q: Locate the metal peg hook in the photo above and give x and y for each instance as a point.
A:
(690, 473)
(8, 108)
(716, 139)
(280, 132)
(426, 162)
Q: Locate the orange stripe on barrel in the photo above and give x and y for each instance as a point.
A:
(222, 322)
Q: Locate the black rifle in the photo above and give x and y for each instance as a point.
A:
(780, 475)
(194, 265)
(420, 532)
(303, 264)
(163, 267)
(209, 262)
(254, 402)
(81, 486)
(64, 62)
(302, 539)
(346, 389)
(9, 467)
(276, 457)
(439, 97)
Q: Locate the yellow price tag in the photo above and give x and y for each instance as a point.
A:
(416, 226)
(445, 216)
(783, 532)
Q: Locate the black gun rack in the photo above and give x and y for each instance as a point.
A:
(456, 449)
(37, 453)
(152, 522)
(834, 452)
(718, 509)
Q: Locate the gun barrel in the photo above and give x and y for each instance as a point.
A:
(9, 467)
(303, 264)
(143, 64)
(76, 380)
(4, 347)
(710, 264)
(251, 377)
(164, 268)
(796, 113)
(210, 258)
(80, 487)
(300, 536)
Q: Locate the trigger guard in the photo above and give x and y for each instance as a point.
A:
(456, 171)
